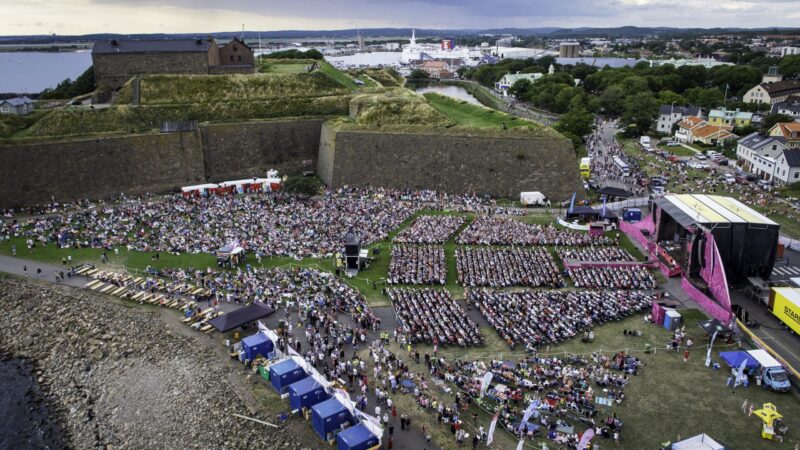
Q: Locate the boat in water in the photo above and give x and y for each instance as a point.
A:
(445, 50)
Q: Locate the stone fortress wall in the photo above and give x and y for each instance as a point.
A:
(41, 172)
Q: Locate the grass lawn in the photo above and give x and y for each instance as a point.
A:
(680, 151)
(337, 75)
(464, 113)
(284, 68)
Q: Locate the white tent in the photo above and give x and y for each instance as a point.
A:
(699, 442)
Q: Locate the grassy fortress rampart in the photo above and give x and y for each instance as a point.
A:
(377, 134)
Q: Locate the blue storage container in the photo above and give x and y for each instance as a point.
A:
(284, 373)
(632, 215)
(356, 438)
(257, 344)
(328, 416)
(306, 393)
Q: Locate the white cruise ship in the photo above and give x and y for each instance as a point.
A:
(446, 50)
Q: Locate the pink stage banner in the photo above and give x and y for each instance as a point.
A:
(714, 273)
(634, 231)
(711, 307)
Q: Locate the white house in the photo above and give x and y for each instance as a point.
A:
(669, 115)
(786, 51)
(509, 79)
(772, 93)
(757, 151)
(787, 167)
(19, 106)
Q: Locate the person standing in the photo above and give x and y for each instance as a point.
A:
(686, 355)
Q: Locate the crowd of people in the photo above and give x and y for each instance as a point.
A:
(430, 230)
(514, 266)
(432, 316)
(493, 230)
(560, 388)
(595, 254)
(268, 224)
(417, 264)
(637, 278)
(532, 318)
(280, 286)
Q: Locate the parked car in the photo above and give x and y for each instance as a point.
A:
(673, 144)
(765, 185)
(700, 156)
(741, 179)
(729, 179)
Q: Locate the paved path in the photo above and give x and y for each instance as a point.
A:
(28, 268)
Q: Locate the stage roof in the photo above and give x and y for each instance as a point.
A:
(688, 209)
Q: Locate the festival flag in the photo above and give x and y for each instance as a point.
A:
(572, 202)
(587, 436)
(604, 206)
(740, 374)
(708, 354)
(521, 444)
(529, 411)
(487, 378)
(492, 426)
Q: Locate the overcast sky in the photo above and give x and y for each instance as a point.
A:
(189, 16)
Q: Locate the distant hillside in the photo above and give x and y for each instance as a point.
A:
(626, 31)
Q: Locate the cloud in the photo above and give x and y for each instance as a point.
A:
(142, 16)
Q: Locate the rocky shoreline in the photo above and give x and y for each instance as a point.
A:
(118, 378)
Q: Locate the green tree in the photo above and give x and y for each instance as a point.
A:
(302, 185)
(772, 119)
(704, 98)
(576, 123)
(82, 85)
(789, 65)
(640, 111)
(418, 74)
(612, 100)
(668, 97)
(297, 54)
(521, 89)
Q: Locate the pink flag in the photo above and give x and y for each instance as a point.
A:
(492, 426)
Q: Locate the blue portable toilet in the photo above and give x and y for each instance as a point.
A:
(257, 344)
(284, 373)
(328, 416)
(357, 437)
(632, 215)
(306, 393)
(672, 320)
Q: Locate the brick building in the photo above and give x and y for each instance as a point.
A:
(115, 61)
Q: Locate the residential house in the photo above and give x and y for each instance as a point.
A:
(509, 79)
(712, 134)
(669, 115)
(772, 93)
(686, 126)
(436, 69)
(724, 116)
(787, 167)
(791, 107)
(236, 53)
(789, 131)
(790, 50)
(18, 106)
(755, 145)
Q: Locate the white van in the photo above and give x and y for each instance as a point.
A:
(535, 198)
